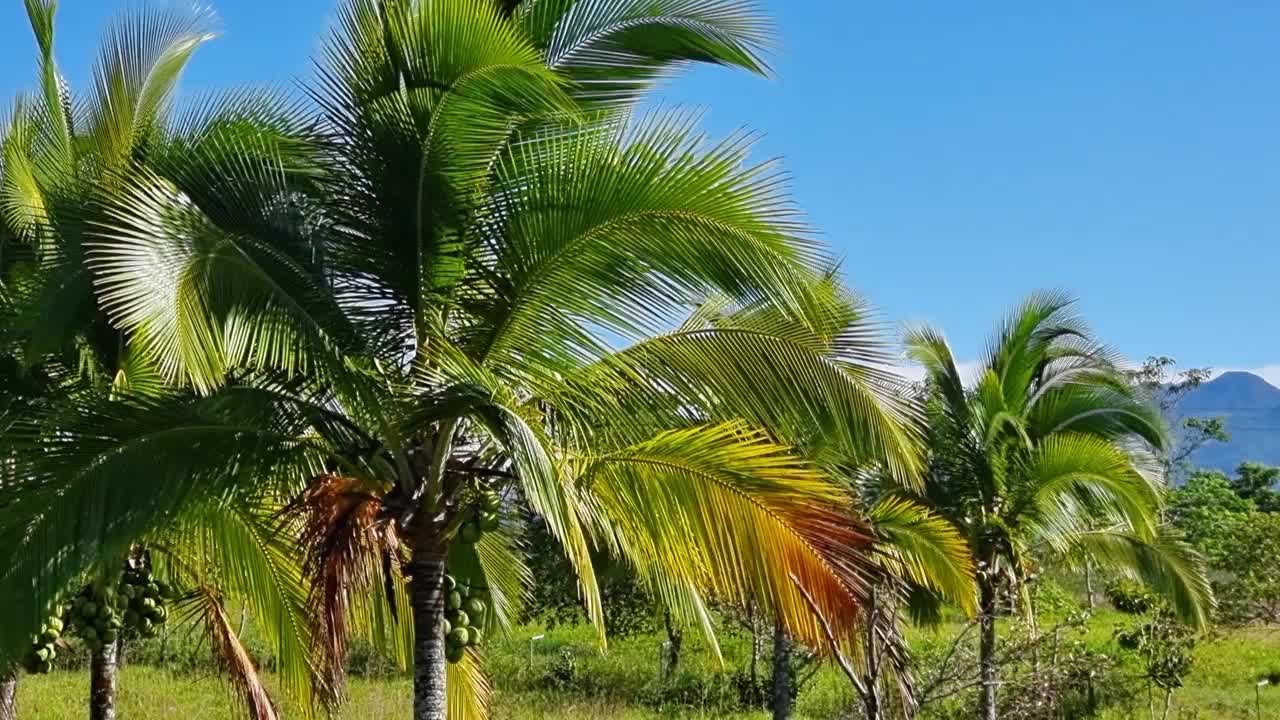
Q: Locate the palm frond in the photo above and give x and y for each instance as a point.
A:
(199, 300)
(143, 55)
(1166, 562)
(497, 564)
(116, 470)
(425, 95)
(1070, 479)
(206, 607)
(629, 221)
(470, 695)
(722, 508)
(350, 546)
(772, 377)
(22, 196)
(615, 51)
(57, 105)
(921, 547)
(253, 560)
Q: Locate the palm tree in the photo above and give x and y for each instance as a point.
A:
(61, 151)
(1049, 451)
(465, 278)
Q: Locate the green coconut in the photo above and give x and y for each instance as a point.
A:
(458, 636)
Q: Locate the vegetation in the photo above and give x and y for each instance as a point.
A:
(625, 682)
(412, 395)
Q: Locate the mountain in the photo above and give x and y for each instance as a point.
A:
(1251, 407)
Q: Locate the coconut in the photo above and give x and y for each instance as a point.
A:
(474, 607)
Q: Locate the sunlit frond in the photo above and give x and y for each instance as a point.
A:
(1071, 479)
(724, 509)
(199, 299)
(116, 470)
(615, 50)
(470, 694)
(919, 546)
(143, 55)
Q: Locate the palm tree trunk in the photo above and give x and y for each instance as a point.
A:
(9, 695)
(671, 658)
(781, 673)
(426, 590)
(104, 666)
(987, 671)
(871, 702)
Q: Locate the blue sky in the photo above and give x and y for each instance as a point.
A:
(958, 158)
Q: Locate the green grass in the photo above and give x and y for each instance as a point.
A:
(622, 684)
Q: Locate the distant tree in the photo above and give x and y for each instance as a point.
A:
(1257, 482)
(1222, 517)
(1204, 507)
(1168, 386)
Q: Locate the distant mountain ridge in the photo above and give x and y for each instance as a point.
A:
(1251, 407)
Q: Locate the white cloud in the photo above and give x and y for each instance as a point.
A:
(968, 371)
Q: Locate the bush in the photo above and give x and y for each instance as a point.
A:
(1130, 597)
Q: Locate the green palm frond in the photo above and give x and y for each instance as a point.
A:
(614, 51)
(773, 379)
(553, 496)
(116, 470)
(497, 563)
(143, 55)
(239, 546)
(1168, 564)
(631, 220)
(226, 300)
(928, 347)
(22, 196)
(56, 97)
(426, 95)
(470, 694)
(1070, 479)
(919, 546)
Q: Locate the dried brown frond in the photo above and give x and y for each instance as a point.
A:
(230, 654)
(351, 548)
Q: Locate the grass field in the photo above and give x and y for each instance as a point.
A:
(567, 679)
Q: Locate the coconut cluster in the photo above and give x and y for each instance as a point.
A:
(464, 613)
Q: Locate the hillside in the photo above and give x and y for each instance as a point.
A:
(1252, 408)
